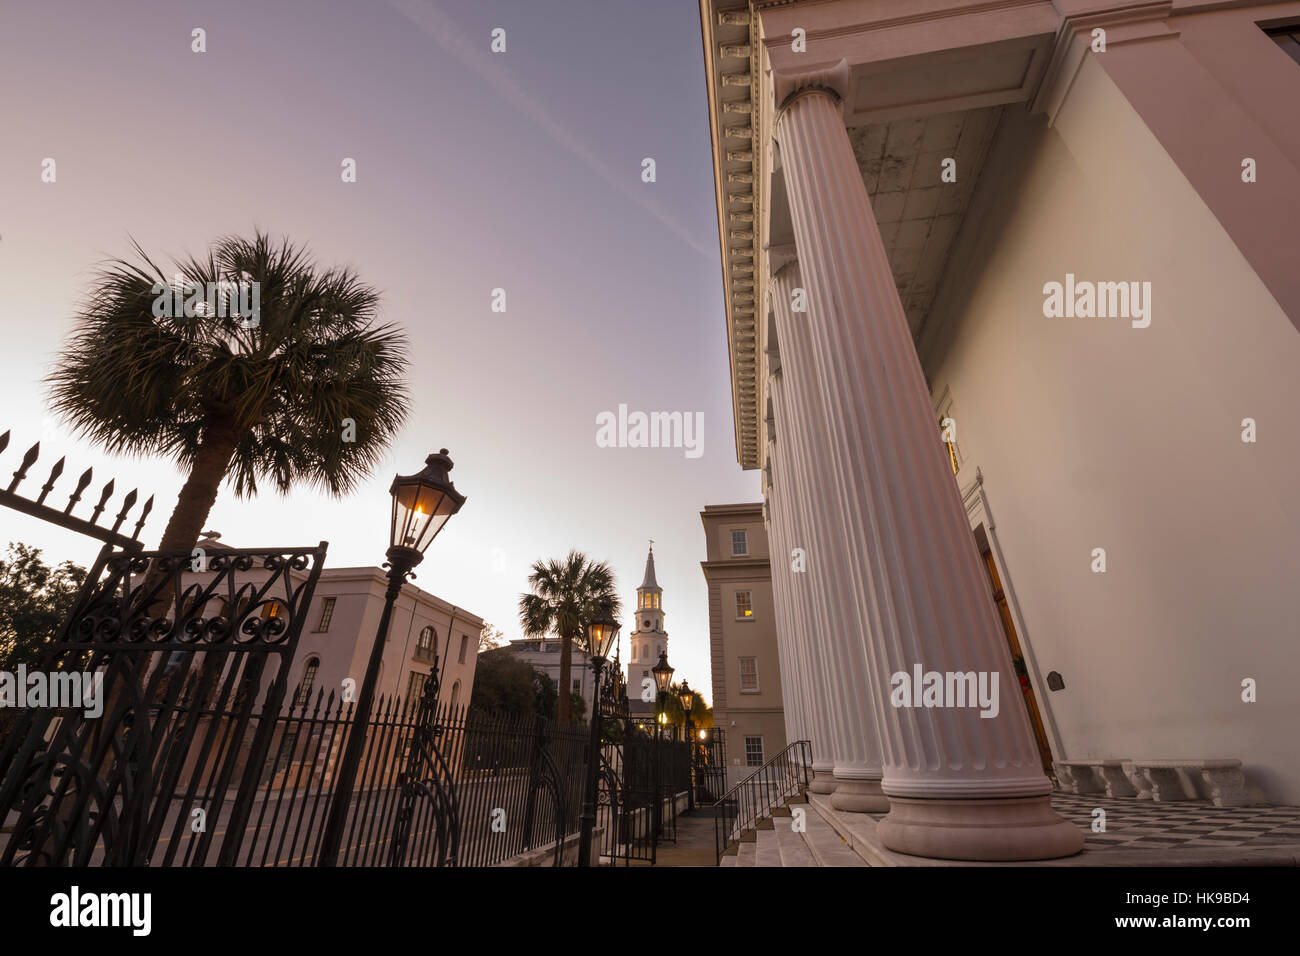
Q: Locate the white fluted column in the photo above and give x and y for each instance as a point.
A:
(961, 785)
(802, 632)
(794, 703)
(829, 591)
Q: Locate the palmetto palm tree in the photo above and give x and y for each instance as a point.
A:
(566, 595)
(310, 391)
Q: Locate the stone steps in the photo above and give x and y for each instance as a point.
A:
(794, 849)
(825, 844)
(768, 849)
(774, 842)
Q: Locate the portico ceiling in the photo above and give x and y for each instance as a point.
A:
(914, 97)
(918, 214)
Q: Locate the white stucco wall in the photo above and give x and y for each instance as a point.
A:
(1091, 433)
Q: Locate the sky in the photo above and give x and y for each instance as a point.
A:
(475, 170)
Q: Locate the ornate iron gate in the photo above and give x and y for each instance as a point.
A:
(179, 745)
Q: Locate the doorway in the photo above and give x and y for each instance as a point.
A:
(1017, 653)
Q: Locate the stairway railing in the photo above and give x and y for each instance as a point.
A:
(740, 808)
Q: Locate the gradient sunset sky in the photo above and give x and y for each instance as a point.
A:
(475, 171)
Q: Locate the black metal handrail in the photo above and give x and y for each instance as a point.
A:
(741, 807)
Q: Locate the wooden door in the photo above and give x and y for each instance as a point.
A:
(1018, 659)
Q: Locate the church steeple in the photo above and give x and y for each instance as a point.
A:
(649, 580)
(648, 637)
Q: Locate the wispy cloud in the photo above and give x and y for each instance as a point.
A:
(489, 68)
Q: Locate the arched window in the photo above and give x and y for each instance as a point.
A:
(455, 694)
(308, 682)
(424, 644)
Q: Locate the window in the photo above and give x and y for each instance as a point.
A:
(753, 751)
(464, 647)
(308, 682)
(577, 685)
(455, 694)
(749, 675)
(424, 649)
(947, 419)
(744, 609)
(739, 544)
(1288, 38)
(326, 614)
(950, 445)
(647, 624)
(645, 673)
(415, 685)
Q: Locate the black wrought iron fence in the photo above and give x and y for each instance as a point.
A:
(639, 782)
(711, 767)
(505, 785)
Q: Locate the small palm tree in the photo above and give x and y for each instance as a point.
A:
(309, 391)
(566, 595)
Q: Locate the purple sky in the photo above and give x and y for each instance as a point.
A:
(475, 170)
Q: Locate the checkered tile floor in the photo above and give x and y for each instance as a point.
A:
(1139, 824)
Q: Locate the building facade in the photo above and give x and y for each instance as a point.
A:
(744, 651)
(544, 656)
(340, 629)
(1032, 259)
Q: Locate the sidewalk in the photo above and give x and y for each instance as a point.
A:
(695, 842)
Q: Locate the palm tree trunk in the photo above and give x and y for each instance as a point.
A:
(564, 706)
(193, 505)
(195, 501)
(199, 493)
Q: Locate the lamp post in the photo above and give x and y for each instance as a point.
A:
(422, 505)
(601, 633)
(662, 680)
(687, 698)
(663, 672)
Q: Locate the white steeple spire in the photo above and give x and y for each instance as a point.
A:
(648, 638)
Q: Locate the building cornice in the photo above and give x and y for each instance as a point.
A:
(377, 580)
(731, 61)
(739, 564)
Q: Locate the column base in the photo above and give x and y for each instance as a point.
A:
(823, 781)
(1016, 828)
(859, 796)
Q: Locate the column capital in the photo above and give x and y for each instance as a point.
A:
(831, 78)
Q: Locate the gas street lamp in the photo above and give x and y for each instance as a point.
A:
(687, 698)
(423, 503)
(663, 672)
(602, 631)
